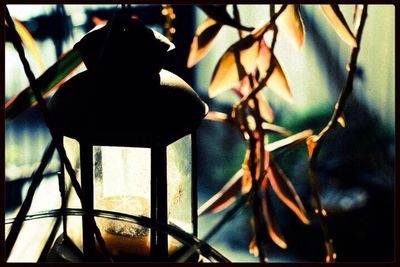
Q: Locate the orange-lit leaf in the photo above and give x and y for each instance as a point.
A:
(253, 248)
(202, 41)
(272, 228)
(311, 143)
(259, 31)
(29, 42)
(46, 83)
(288, 140)
(275, 128)
(338, 22)
(98, 21)
(225, 75)
(246, 179)
(330, 252)
(341, 120)
(265, 109)
(357, 15)
(285, 191)
(277, 81)
(292, 25)
(219, 13)
(224, 197)
(217, 116)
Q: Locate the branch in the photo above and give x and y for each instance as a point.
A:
(315, 141)
(56, 137)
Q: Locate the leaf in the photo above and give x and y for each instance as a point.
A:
(224, 197)
(48, 81)
(341, 120)
(217, 116)
(246, 179)
(311, 143)
(338, 22)
(357, 15)
(219, 13)
(288, 140)
(285, 191)
(29, 42)
(253, 248)
(265, 109)
(202, 41)
(291, 23)
(277, 81)
(275, 128)
(225, 75)
(272, 228)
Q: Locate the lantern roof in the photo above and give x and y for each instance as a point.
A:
(125, 98)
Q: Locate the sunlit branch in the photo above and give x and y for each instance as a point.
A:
(317, 140)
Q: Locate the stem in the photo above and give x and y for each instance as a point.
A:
(340, 104)
(55, 135)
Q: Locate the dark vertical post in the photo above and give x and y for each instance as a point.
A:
(61, 184)
(194, 182)
(159, 208)
(86, 151)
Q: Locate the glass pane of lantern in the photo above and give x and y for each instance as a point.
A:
(74, 223)
(179, 184)
(122, 184)
(122, 179)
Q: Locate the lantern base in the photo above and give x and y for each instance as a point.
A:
(64, 250)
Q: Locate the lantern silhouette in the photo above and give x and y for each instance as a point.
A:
(127, 127)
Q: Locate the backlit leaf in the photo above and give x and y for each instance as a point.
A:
(202, 41)
(224, 197)
(291, 23)
(219, 13)
(288, 140)
(217, 116)
(225, 75)
(277, 81)
(29, 42)
(285, 191)
(265, 109)
(48, 81)
(357, 15)
(253, 248)
(272, 228)
(311, 143)
(275, 128)
(338, 22)
(246, 179)
(341, 120)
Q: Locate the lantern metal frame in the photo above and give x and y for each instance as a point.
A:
(192, 242)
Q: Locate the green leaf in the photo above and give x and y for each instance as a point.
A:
(46, 83)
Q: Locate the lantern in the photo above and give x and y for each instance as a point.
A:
(127, 127)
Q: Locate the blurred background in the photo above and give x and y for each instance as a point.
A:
(356, 164)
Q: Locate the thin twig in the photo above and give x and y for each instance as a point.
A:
(56, 137)
(36, 178)
(318, 141)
